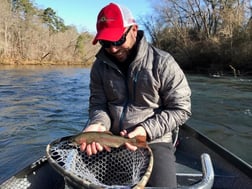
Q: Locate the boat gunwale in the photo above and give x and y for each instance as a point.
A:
(233, 159)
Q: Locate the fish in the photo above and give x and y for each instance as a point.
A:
(107, 139)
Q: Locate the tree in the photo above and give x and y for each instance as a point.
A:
(23, 7)
(5, 24)
(54, 22)
(29, 35)
(202, 32)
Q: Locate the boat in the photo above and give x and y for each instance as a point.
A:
(201, 164)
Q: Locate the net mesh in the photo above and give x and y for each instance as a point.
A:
(120, 167)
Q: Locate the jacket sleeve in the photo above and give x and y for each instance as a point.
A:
(175, 96)
(98, 111)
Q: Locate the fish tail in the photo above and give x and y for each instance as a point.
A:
(140, 141)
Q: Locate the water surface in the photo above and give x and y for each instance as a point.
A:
(41, 104)
(222, 109)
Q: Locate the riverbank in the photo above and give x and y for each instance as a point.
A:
(11, 61)
(87, 64)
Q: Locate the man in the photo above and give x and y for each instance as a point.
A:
(136, 89)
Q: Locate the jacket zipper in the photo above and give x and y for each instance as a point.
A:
(126, 102)
(124, 108)
(135, 78)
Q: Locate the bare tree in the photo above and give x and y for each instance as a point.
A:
(5, 24)
(30, 35)
(202, 31)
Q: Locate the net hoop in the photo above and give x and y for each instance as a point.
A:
(59, 153)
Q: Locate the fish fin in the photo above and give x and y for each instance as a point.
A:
(107, 148)
(108, 132)
(141, 141)
(73, 144)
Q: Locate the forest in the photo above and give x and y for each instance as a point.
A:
(204, 36)
(29, 35)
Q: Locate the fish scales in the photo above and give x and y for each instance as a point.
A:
(108, 139)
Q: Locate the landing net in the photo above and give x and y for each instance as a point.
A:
(120, 168)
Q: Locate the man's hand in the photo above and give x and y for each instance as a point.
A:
(139, 130)
(94, 147)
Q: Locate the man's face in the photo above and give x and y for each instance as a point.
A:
(121, 49)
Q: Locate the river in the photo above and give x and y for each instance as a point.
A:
(39, 104)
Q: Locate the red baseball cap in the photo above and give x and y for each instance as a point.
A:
(112, 21)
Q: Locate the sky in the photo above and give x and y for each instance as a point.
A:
(83, 13)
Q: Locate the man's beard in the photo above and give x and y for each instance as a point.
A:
(122, 55)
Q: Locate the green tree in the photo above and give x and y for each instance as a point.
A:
(23, 7)
(54, 22)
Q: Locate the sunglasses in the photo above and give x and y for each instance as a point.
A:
(107, 44)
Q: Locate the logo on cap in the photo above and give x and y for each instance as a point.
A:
(104, 19)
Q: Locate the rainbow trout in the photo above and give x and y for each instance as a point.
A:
(107, 139)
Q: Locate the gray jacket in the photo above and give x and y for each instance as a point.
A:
(155, 93)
